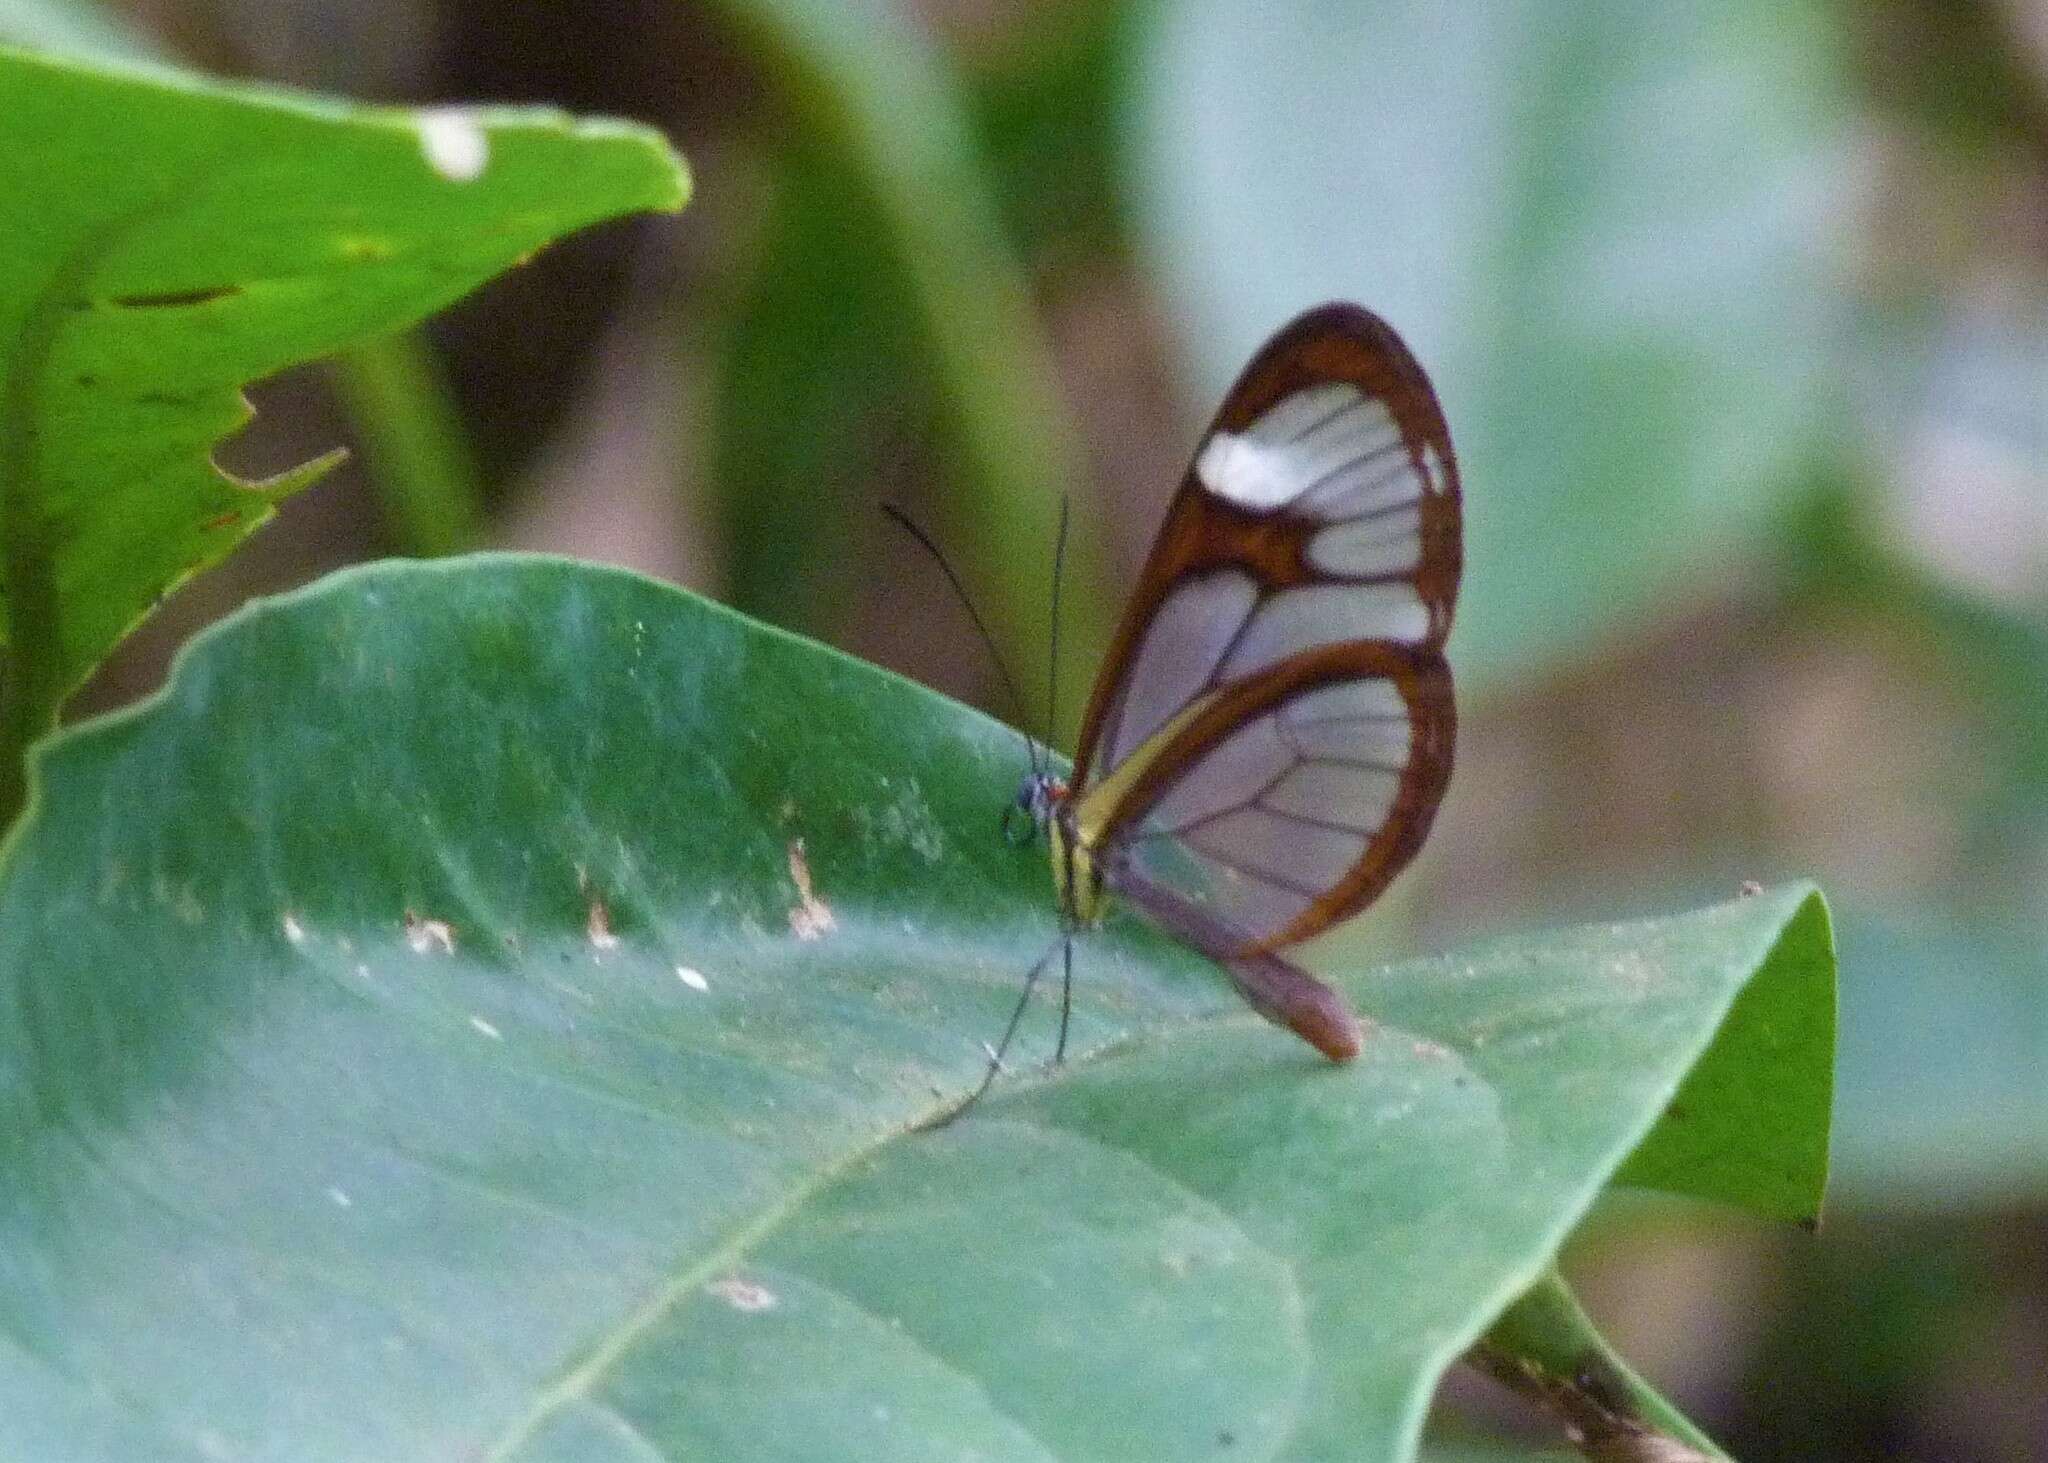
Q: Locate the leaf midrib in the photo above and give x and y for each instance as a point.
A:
(577, 1383)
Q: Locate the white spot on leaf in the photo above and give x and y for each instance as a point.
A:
(425, 934)
(486, 1028)
(599, 927)
(743, 1295)
(811, 918)
(694, 979)
(454, 144)
(293, 930)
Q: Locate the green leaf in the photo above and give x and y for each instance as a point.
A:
(1750, 1125)
(187, 238)
(498, 1029)
(418, 459)
(1606, 228)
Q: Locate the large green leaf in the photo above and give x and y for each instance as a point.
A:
(481, 1009)
(172, 240)
(1607, 228)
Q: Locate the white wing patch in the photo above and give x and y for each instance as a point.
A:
(1247, 472)
(1330, 453)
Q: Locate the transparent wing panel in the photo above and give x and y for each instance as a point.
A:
(1281, 810)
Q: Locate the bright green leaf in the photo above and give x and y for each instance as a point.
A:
(1608, 229)
(172, 240)
(479, 1010)
(1750, 1124)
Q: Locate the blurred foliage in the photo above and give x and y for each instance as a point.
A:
(819, 378)
(1707, 290)
(71, 29)
(1611, 231)
(885, 250)
(419, 450)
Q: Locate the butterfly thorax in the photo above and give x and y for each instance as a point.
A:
(1075, 873)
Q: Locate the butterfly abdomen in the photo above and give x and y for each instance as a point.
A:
(1271, 985)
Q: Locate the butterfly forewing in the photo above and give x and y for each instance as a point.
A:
(1272, 731)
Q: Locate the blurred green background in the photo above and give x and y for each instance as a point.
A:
(1739, 311)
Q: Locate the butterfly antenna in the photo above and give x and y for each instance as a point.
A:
(1052, 677)
(904, 521)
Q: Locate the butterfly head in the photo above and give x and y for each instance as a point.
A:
(1032, 809)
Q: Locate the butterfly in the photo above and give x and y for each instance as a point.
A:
(1271, 731)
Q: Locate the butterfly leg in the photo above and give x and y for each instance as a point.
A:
(995, 1057)
(1066, 991)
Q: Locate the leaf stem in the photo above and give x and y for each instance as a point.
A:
(419, 459)
(1545, 1347)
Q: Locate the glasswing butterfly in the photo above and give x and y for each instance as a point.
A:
(1271, 732)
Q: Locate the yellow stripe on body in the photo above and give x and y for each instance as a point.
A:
(1095, 812)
